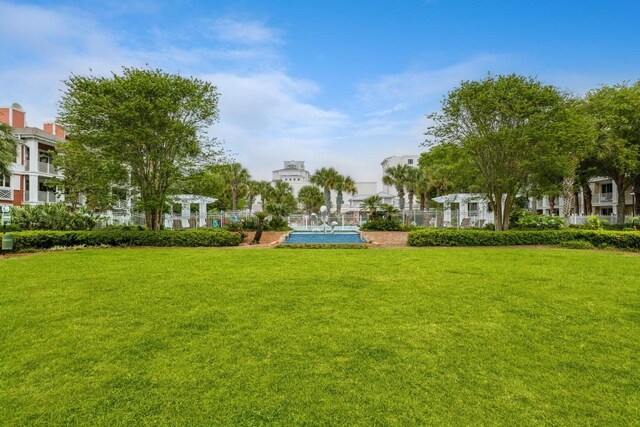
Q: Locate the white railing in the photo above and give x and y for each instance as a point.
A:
(47, 196)
(5, 193)
(602, 198)
(46, 168)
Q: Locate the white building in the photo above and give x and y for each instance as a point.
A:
(463, 210)
(293, 174)
(604, 200)
(33, 166)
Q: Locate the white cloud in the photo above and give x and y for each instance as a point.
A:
(242, 31)
(266, 114)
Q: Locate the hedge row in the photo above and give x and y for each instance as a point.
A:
(26, 240)
(599, 238)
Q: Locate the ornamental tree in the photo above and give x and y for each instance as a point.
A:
(152, 122)
(509, 127)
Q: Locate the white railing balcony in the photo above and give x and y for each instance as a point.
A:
(47, 197)
(46, 168)
(5, 193)
(603, 198)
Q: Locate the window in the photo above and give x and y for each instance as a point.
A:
(45, 157)
(606, 188)
(5, 181)
(410, 161)
(606, 211)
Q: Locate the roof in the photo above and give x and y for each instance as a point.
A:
(459, 197)
(192, 198)
(31, 131)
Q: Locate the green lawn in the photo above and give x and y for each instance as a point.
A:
(320, 337)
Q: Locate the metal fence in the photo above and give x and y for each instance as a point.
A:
(437, 218)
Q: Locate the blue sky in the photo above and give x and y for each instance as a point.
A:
(338, 83)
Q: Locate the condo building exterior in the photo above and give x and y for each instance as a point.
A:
(33, 166)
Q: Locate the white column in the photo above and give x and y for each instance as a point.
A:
(186, 214)
(33, 189)
(34, 155)
(202, 212)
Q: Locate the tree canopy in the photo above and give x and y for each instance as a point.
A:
(510, 127)
(152, 122)
(7, 149)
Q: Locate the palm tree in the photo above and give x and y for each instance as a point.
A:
(371, 204)
(344, 184)
(388, 211)
(236, 177)
(411, 183)
(253, 189)
(311, 197)
(326, 179)
(261, 217)
(265, 190)
(7, 150)
(396, 176)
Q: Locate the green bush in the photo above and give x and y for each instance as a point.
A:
(26, 240)
(55, 216)
(461, 237)
(576, 244)
(384, 224)
(529, 221)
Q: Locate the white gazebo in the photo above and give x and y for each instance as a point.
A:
(473, 209)
(185, 201)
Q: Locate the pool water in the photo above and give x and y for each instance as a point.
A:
(314, 238)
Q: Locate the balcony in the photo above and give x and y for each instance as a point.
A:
(602, 199)
(46, 168)
(47, 197)
(5, 193)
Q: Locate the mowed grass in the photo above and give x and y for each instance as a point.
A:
(320, 337)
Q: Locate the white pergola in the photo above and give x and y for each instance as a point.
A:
(186, 200)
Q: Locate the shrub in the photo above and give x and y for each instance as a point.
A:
(46, 239)
(55, 216)
(594, 223)
(382, 224)
(461, 237)
(576, 244)
(529, 221)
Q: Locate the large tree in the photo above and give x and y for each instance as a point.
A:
(616, 112)
(509, 126)
(7, 150)
(396, 176)
(326, 179)
(152, 122)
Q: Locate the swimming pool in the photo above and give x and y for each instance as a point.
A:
(315, 238)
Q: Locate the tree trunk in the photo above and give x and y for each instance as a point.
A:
(552, 205)
(153, 219)
(497, 213)
(401, 197)
(620, 185)
(234, 199)
(258, 235)
(568, 200)
(327, 198)
(636, 196)
(506, 211)
(411, 195)
(338, 202)
(588, 198)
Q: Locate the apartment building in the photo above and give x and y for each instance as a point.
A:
(33, 167)
(604, 200)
